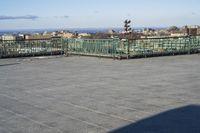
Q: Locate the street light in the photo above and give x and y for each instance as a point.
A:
(127, 26)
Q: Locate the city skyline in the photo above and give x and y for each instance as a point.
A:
(28, 14)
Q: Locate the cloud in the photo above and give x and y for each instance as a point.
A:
(128, 14)
(66, 16)
(96, 12)
(27, 17)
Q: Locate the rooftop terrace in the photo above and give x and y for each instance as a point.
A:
(94, 95)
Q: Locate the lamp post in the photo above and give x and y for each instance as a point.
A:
(127, 26)
(127, 29)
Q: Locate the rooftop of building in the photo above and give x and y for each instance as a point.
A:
(92, 95)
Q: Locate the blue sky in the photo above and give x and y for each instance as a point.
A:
(36, 14)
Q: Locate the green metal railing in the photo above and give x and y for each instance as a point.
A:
(169, 45)
(115, 48)
(30, 48)
(93, 47)
(133, 48)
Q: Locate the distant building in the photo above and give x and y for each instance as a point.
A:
(62, 34)
(67, 35)
(181, 32)
(162, 33)
(8, 37)
(20, 37)
(192, 30)
(37, 36)
(198, 31)
(110, 31)
(148, 30)
(82, 35)
(53, 33)
(46, 34)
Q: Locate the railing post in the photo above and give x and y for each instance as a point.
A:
(116, 42)
(51, 44)
(128, 49)
(0, 49)
(144, 50)
(4, 48)
(62, 48)
(189, 45)
(66, 47)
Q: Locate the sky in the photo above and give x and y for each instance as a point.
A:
(37, 14)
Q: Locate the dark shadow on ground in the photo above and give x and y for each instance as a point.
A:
(180, 120)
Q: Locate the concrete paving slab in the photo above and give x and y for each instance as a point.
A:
(92, 95)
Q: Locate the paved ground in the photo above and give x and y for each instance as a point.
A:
(89, 95)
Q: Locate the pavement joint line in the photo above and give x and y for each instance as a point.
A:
(94, 111)
(11, 132)
(134, 109)
(34, 121)
(124, 107)
(113, 116)
(14, 114)
(9, 64)
(68, 116)
(19, 115)
(88, 109)
(100, 112)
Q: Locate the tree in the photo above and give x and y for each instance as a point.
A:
(173, 28)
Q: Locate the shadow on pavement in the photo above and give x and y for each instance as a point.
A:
(180, 120)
